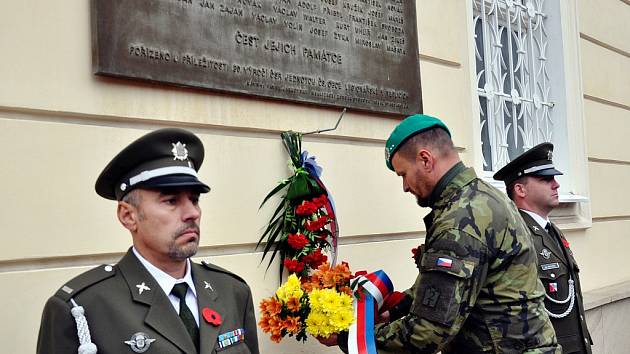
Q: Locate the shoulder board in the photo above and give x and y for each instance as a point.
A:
(85, 280)
(216, 268)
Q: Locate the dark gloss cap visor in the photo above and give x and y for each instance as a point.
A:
(546, 172)
(169, 181)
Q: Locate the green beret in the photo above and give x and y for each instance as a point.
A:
(409, 127)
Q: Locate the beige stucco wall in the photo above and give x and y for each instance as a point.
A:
(605, 60)
(59, 125)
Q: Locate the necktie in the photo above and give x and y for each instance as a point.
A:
(185, 314)
(553, 234)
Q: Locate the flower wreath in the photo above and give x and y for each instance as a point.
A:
(304, 223)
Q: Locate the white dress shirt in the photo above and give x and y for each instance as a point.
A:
(167, 283)
(539, 219)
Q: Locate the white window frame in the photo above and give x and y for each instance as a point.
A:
(566, 97)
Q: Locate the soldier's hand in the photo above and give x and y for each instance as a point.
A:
(331, 341)
(382, 317)
(417, 254)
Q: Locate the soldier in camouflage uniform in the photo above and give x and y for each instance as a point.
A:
(478, 289)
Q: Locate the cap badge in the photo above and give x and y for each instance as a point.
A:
(179, 151)
(387, 154)
(139, 342)
(549, 155)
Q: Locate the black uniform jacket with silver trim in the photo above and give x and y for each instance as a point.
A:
(556, 266)
(116, 310)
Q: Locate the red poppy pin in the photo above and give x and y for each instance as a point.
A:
(565, 242)
(211, 316)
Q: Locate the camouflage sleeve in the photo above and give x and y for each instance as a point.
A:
(452, 270)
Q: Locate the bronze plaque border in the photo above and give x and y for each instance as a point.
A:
(177, 42)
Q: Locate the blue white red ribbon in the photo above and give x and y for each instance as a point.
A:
(370, 291)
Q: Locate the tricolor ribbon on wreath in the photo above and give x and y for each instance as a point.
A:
(370, 292)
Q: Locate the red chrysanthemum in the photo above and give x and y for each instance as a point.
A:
(293, 266)
(297, 241)
(314, 225)
(320, 201)
(306, 209)
(315, 259)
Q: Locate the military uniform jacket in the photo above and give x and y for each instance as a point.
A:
(477, 290)
(116, 310)
(556, 267)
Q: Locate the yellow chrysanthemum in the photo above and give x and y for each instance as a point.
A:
(331, 312)
(290, 289)
(341, 320)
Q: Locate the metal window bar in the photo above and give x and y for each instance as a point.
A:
(512, 79)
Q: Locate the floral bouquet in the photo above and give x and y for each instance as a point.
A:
(320, 305)
(303, 224)
(318, 298)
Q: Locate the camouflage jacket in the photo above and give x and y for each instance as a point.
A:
(478, 289)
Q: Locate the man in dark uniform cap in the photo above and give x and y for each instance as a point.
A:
(530, 183)
(154, 300)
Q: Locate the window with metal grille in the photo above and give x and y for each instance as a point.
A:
(513, 79)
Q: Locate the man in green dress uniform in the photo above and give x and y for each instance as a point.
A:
(155, 299)
(530, 183)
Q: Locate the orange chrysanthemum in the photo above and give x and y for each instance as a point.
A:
(294, 304)
(292, 324)
(329, 279)
(264, 324)
(275, 325)
(276, 337)
(270, 306)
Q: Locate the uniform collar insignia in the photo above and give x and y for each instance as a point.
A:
(142, 287)
(139, 342)
(545, 253)
(179, 151)
(207, 285)
(535, 228)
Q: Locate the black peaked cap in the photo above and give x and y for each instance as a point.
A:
(163, 158)
(536, 161)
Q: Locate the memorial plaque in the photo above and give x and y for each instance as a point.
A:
(360, 54)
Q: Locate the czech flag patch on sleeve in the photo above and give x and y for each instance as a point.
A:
(444, 262)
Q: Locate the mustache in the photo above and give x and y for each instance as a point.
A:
(191, 225)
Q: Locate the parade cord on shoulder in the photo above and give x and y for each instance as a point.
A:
(83, 331)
